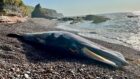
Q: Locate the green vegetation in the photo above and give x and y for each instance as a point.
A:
(13, 2)
(18, 8)
(15, 7)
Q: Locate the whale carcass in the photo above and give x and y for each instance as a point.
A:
(66, 43)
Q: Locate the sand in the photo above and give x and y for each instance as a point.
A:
(22, 61)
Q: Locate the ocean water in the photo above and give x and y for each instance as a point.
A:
(120, 29)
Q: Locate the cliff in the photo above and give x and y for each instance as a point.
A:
(53, 13)
(40, 12)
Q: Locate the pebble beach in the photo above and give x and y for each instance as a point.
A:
(22, 61)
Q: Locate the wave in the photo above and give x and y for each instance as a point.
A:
(120, 30)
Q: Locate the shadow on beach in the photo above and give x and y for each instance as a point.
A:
(36, 55)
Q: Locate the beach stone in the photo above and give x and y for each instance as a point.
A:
(90, 77)
(137, 62)
(28, 72)
(56, 73)
(27, 76)
(71, 71)
(12, 69)
(97, 78)
(80, 70)
(111, 78)
(83, 65)
(17, 70)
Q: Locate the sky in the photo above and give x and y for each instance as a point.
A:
(83, 7)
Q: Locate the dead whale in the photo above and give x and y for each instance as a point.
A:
(66, 43)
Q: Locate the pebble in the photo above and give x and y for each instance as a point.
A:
(81, 70)
(12, 69)
(56, 73)
(110, 78)
(72, 71)
(97, 77)
(28, 72)
(17, 70)
(90, 76)
(18, 76)
(83, 65)
(27, 76)
(137, 61)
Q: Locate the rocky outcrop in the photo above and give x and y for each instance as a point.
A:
(94, 18)
(37, 12)
(40, 12)
(53, 13)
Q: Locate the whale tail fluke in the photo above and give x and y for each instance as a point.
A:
(14, 35)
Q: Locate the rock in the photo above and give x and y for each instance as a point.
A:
(83, 65)
(97, 78)
(111, 78)
(18, 76)
(90, 77)
(40, 12)
(27, 76)
(80, 70)
(28, 72)
(56, 73)
(5, 47)
(12, 69)
(137, 62)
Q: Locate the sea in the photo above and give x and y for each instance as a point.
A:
(122, 28)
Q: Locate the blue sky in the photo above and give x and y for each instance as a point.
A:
(83, 7)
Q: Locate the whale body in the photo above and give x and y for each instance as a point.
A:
(66, 44)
